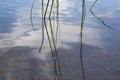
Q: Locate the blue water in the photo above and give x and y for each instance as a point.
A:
(20, 43)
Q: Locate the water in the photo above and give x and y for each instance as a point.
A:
(19, 42)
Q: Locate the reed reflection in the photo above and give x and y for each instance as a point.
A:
(92, 6)
(31, 12)
(57, 20)
(81, 44)
(51, 36)
(42, 27)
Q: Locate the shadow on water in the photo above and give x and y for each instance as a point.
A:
(92, 6)
(18, 63)
(81, 44)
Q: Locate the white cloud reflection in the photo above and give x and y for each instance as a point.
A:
(23, 35)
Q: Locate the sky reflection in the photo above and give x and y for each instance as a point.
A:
(101, 44)
(69, 21)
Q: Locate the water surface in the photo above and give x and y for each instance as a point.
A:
(19, 42)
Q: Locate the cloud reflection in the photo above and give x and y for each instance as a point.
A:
(22, 34)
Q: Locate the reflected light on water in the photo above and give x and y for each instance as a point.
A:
(100, 43)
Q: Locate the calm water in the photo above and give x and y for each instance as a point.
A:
(19, 43)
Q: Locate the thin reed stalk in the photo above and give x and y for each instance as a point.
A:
(31, 12)
(57, 20)
(56, 60)
(42, 27)
(51, 9)
(81, 44)
(46, 9)
(92, 6)
(50, 35)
